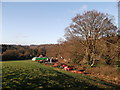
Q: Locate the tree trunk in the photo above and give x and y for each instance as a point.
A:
(93, 62)
(87, 56)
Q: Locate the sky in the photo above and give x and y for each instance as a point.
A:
(59, 0)
(26, 23)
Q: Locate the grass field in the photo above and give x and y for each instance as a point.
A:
(29, 74)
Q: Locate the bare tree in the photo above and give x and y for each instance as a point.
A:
(118, 41)
(89, 27)
(118, 4)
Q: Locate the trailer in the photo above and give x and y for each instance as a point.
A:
(44, 59)
(40, 59)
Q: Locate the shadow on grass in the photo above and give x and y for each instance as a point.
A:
(52, 79)
(108, 84)
(83, 84)
(70, 82)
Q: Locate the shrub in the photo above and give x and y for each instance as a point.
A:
(10, 55)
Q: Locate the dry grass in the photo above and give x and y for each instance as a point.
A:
(107, 73)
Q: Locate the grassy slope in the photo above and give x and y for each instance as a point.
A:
(28, 74)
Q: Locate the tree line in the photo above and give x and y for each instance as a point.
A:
(15, 52)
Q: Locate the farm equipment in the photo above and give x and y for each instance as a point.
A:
(56, 64)
(77, 71)
(62, 65)
(68, 68)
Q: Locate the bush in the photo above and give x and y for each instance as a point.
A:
(77, 58)
(10, 55)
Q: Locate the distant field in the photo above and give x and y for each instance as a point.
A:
(29, 74)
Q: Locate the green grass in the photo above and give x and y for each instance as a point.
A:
(28, 74)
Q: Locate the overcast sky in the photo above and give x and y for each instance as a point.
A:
(44, 22)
